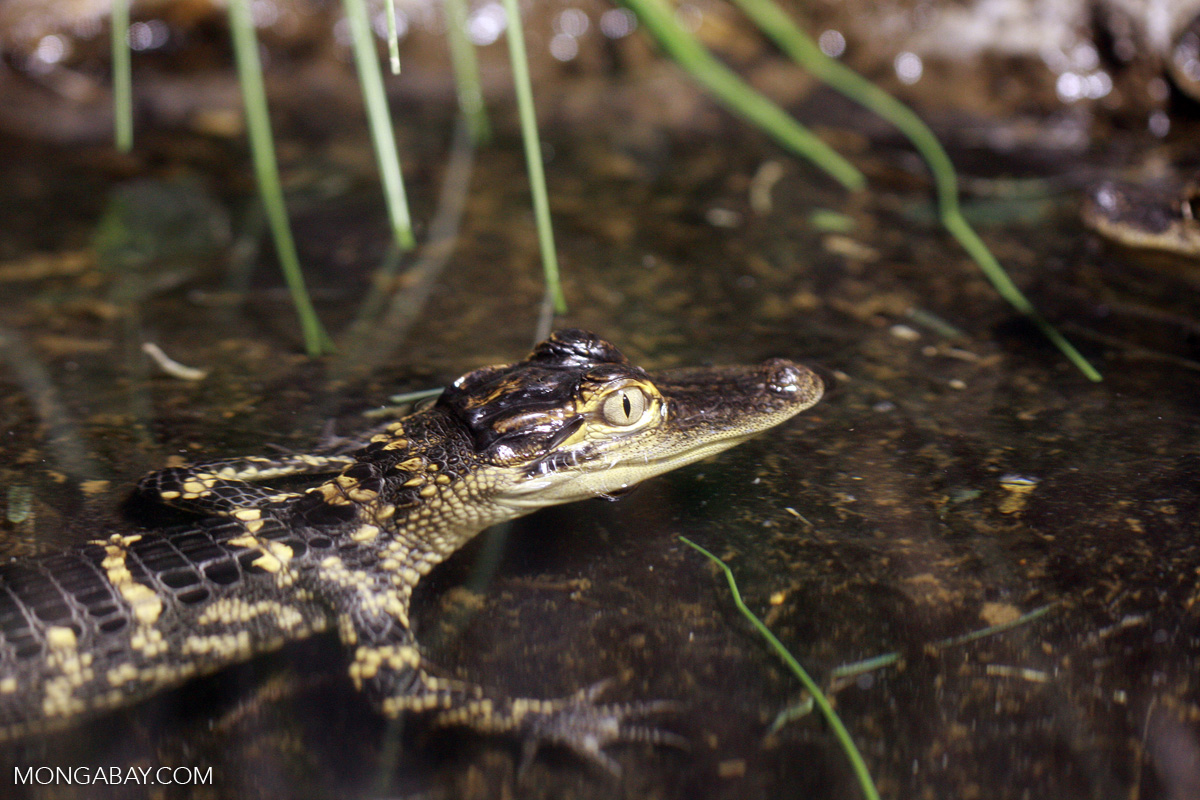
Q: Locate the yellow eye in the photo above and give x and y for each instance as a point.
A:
(624, 406)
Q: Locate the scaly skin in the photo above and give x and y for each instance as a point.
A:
(121, 618)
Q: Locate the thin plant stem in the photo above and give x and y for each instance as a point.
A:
(887, 659)
(380, 332)
(797, 44)
(738, 96)
(533, 154)
(393, 38)
(835, 723)
(262, 148)
(382, 137)
(122, 78)
(466, 72)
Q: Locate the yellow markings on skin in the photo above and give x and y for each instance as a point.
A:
(123, 674)
(157, 675)
(277, 554)
(368, 660)
(58, 700)
(225, 646)
(365, 534)
(145, 603)
(8, 685)
(233, 611)
(428, 491)
(254, 526)
(370, 598)
(360, 495)
(334, 568)
(195, 487)
(273, 554)
(385, 511)
(398, 444)
(415, 481)
(332, 494)
(73, 669)
(149, 641)
(521, 706)
(414, 464)
(172, 495)
(381, 437)
(60, 638)
(443, 479)
(346, 630)
(476, 711)
(247, 514)
(396, 428)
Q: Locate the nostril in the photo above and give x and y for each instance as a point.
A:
(783, 376)
(789, 379)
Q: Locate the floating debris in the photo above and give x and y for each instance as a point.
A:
(171, 366)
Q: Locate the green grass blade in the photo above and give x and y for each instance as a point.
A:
(393, 38)
(887, 659)
(258, 123)
(835, 723)
(533, 154)
(992, 630)
(122, 79)
(739, 97)
(466, 72)
(384, 139)
(966, 236)
(776, 24)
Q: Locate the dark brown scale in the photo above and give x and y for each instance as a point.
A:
(362, 471)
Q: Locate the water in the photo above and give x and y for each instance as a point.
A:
(946, 483)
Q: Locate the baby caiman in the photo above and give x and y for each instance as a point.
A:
(121, 617)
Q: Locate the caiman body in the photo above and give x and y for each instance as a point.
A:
(122, 617)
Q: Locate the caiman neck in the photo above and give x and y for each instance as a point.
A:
(422, 485)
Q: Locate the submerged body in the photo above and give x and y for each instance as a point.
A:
(120, 618)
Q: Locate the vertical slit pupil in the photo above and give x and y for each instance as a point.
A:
(628, 405)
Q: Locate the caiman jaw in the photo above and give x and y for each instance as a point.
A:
(576, 420)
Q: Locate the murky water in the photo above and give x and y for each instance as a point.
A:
(959, 473)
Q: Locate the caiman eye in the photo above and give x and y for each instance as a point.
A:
(624, 406)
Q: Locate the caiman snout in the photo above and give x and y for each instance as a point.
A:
(789, 379)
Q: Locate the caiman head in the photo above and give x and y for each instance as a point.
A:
(575, 419)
